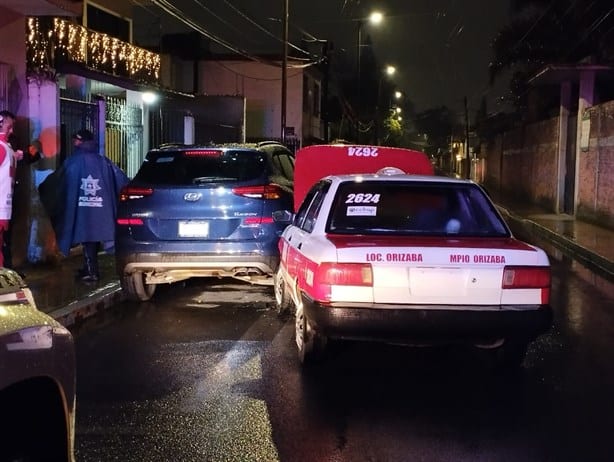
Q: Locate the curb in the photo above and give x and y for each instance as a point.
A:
(568, 247)
(90, 305)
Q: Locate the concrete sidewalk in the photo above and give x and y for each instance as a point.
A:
(67, 299)
(58, 293)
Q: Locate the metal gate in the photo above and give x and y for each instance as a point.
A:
(124, 134)
(76, 112)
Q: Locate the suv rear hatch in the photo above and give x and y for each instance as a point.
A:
(202, 194)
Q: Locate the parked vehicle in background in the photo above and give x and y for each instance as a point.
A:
(37, 379)
(409, 259)
(203, 211)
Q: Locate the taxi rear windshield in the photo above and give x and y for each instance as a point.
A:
(414, 208)
(201, 167)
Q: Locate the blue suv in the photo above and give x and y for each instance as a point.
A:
(203, 211)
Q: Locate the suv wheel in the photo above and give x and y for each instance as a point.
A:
(135, 288)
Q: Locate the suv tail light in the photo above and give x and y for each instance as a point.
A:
(269, 191)
(203, 153)
(528, 277)
(130, 221)
(131, 192)
(252, 221)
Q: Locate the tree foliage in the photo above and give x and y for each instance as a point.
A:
(552, 31)
(437, 124)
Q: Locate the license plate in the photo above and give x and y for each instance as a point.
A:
(193, 229)
(437, 281)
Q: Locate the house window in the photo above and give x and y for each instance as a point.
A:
(106, 22)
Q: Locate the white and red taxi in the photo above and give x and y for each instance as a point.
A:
(413, 259)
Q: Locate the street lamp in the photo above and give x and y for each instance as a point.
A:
(375, 18)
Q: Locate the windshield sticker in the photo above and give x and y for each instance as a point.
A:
(362, 151)
(362, 198)
(361, 211)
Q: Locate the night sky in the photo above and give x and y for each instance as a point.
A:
(441, 48)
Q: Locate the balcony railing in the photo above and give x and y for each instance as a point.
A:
(53, 42)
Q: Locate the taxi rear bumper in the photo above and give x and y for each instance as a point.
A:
(428, 324)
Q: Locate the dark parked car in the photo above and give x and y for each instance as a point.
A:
(203, 211)
(37, 379)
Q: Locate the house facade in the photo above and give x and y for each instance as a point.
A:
(259, 83)
(565, 162)
(68, 65)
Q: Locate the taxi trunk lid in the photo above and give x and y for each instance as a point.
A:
(436, 271)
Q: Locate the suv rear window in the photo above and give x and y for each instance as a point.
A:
(414, 208)
(201, 166)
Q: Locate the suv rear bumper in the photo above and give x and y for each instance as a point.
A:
(171, 267)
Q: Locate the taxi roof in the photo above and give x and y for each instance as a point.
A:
(318, 161)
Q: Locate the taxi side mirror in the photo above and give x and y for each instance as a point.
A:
(283, 216)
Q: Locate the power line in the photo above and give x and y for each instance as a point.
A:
(266, 31)
(178, 14)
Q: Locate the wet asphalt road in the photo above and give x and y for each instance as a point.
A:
(208, 372)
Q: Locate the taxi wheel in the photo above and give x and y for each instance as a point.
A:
(512, 353)
(283, 301)
(507, 357)
(311, 345)
(135, 288)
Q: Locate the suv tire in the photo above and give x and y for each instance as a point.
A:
(135, 288)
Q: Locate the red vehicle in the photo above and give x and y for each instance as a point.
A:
(315, 162)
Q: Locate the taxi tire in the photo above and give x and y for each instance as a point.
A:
(135, 288)
(283, 301)
(311, 345)
(512, 354)
(507, 357)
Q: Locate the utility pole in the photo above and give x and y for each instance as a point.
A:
(467, 158)
(325, 89)
(284, 72)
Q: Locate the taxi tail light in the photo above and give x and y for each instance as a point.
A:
(528, 277)
(269, 191)
(131, 192)
(344, 274)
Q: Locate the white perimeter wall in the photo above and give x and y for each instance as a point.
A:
(260, 84)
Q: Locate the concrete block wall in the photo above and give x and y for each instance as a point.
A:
(523, 162)
(596, 168)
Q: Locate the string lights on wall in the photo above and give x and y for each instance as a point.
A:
(50, 44)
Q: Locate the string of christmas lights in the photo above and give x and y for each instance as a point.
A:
(49, 44)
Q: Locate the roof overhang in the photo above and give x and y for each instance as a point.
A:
(556, 74)
(45, 7)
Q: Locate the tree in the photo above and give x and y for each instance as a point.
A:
(437, 124)
(552, 31)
